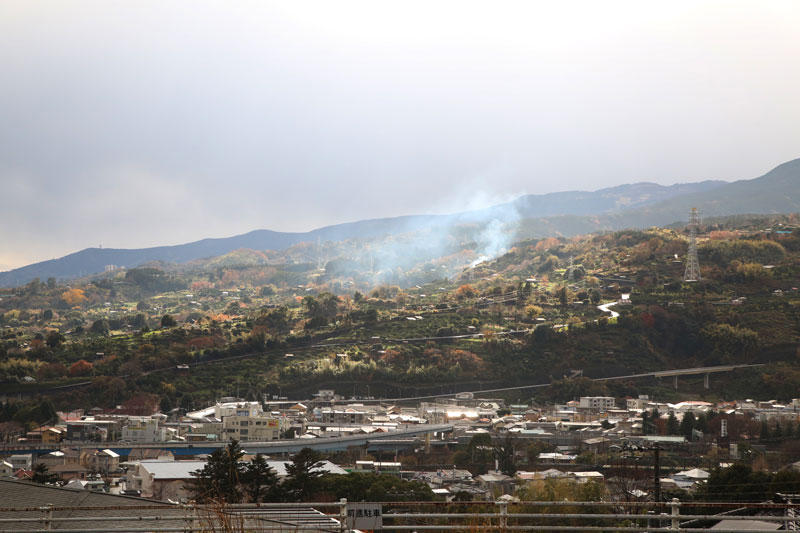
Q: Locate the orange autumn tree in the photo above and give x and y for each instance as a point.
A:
(201, 285)
(80, 368)
(466, 291)
(546, 244)
(73, 297)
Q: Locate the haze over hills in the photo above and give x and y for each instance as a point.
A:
(490, 230)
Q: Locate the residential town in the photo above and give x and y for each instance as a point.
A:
(450, 443)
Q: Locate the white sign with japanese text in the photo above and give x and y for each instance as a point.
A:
(365, 516)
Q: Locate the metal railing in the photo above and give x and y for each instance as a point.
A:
(402, 516)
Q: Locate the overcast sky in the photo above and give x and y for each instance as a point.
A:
(142, 123)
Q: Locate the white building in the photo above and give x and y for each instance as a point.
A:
(223, 409)
(143, 429)
(163, 480)
(259, 427)
(325, 395)
(597, 402)
(240, 420)
(22, 460)
(345, 415)
(642, 402)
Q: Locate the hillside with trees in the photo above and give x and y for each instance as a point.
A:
(180, 337)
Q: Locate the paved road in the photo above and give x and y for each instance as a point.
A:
(657, 374)
(606, 308)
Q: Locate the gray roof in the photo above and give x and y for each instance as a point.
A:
(494, 478)
(327, 467)
(184, 469)
(20, 499)
(289, 519)
(172, 469)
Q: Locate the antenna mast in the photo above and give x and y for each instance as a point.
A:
(692, 263)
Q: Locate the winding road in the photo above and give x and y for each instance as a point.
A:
(606, 308)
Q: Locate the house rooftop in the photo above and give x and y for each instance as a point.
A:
(24, 494)
(172, 469)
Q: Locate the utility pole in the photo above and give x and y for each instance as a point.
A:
(657, 473)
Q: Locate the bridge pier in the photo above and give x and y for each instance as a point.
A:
(675, 378)
(705, 381)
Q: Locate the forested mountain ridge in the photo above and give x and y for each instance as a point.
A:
(635, 205)
(528, 316)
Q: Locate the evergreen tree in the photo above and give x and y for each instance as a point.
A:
(371, 487)
(672, 424)
(260, 480)
(480, 451)
(219, 479)
(41, 474)
(303, 475)
(165, 404)
(46, 412)
(563, 296)
(687, 425)
(504, 454)
(99, 327)
(701, 423)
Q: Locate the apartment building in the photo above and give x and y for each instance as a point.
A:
(259, 427)
(597, 402)
(140, 429)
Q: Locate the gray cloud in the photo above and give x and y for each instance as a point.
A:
(143, 123)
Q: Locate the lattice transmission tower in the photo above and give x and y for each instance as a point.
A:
(692, 263)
